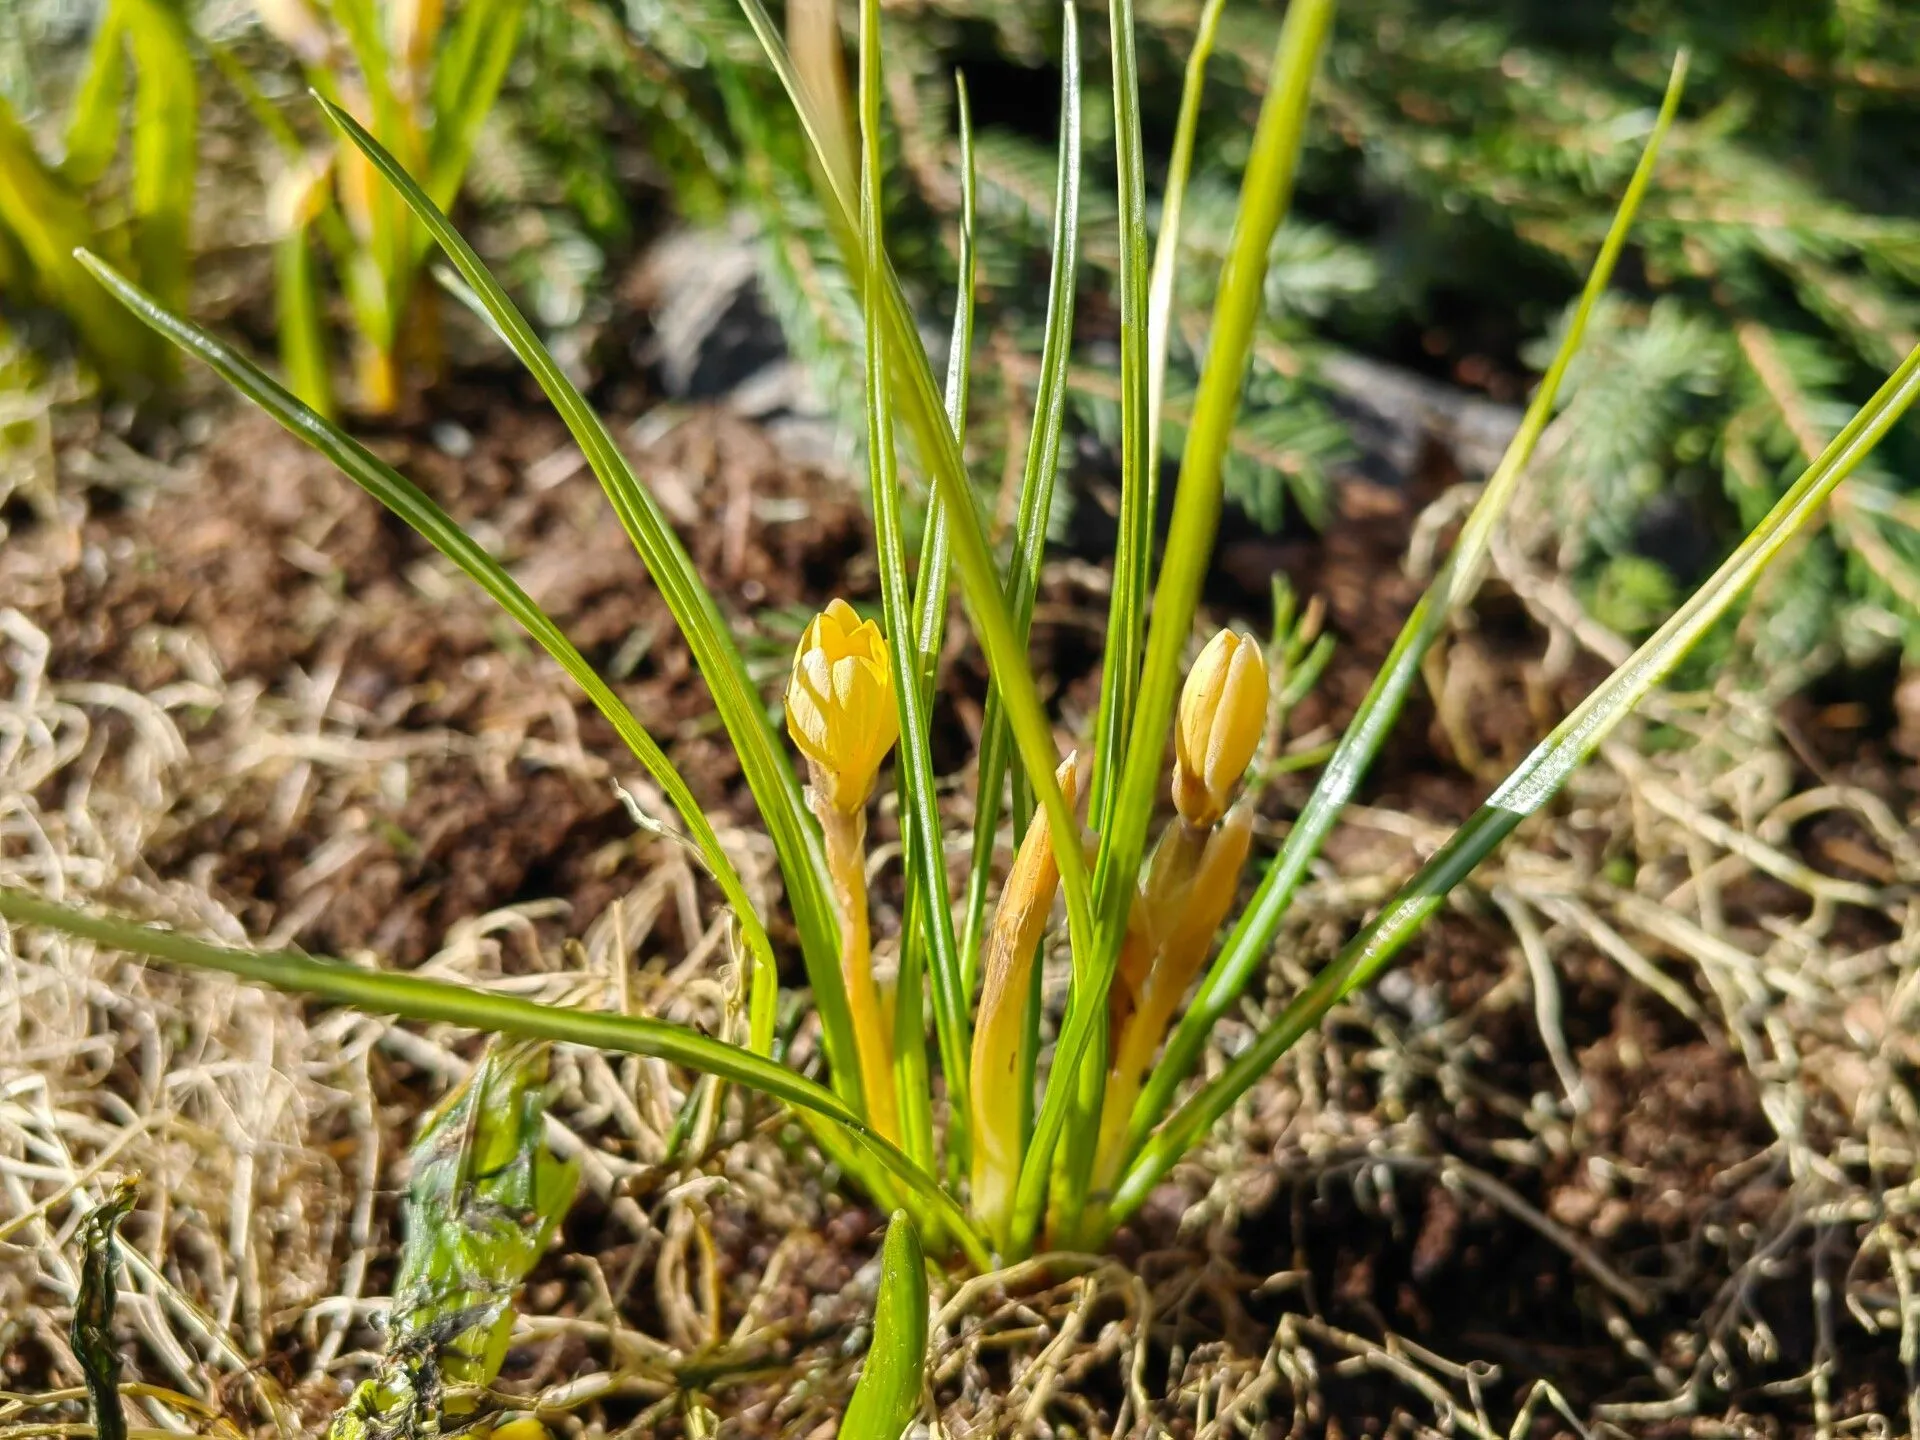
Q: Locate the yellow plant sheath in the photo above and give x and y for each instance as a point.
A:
(1001, 1034)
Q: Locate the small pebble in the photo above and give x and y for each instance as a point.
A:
(453, 440)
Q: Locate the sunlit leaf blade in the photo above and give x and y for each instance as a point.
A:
(1264, 193)
(303, 341)
(165, 155)
(1133, 546)
(466, 79)
(887, 1398)
(412, 997)
(93, 130)
(1246, 947)
(47, 220)
(1036, 490)
(1534, 782)
(418, 510)
(91, 1333)
(936, 552)
(1166, 245)
(930, 583)
(762, 760)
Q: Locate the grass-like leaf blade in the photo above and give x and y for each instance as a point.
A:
(887, 1398)
(1133, 547)
(413, 997)
(47, 220)
(166, 115)
(1036, 493)
(920, 820)
(1166, 245)
(923, 408)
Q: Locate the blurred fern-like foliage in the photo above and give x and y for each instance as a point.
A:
(1465, 161)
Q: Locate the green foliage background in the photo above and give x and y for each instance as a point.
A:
(1464, 161)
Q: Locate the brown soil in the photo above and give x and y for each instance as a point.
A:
(324, 612)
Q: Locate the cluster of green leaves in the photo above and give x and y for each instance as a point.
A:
(1462, 164)
(424, 82)
(122, 183)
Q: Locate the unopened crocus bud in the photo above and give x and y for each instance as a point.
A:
(840, 708)
(1223, 712)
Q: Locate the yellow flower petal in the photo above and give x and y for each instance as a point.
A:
(840, 706)
(1223, 713)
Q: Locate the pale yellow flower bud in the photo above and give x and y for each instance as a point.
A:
(298, 194)
(1223, 712)
(840, 708)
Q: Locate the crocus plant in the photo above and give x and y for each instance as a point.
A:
(1000, 1120)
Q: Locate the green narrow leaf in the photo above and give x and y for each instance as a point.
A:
(1036, 491)
(1534, 782)
(1083, 1134)
(165, 138)
(412, 997)
(418, 510)
(389, 248)
(768, 773)
(887, 1398)
(1133, 547)
(1166, 248)
(48, 220)
(91, 1334)
(1264, 193)
(930, 598)
(914, 757)
(303, 339)
(93, 132)
(1246, 948)
(467, 76)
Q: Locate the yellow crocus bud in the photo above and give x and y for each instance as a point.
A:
(1223, 712)
(525, 1428)
(298, 194)
(840, 708)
